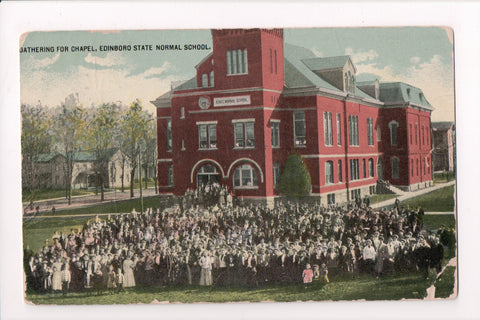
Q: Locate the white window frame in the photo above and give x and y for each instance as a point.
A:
(237, 62)
(379, 134)
(329, 177)
(212, 79)
(339, 129)
(204, 80)
(340, 170)
(241, 170)
(275, 132)
(244, 123)
(170, 176)
(391, 125)
(370, 131)
(208, 128)
(295, 136)
(327, 128)
(353, 130)
(354, 169)
(169, 135)
(371, 169)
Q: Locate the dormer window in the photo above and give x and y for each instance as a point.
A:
(408, 92)
(204, 80)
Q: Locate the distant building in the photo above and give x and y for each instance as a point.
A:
(254, 100)
(51, 170)
(443, 146)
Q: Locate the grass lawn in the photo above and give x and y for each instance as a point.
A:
(118, 206)
(440, 200)
(44, 194)
(366, 287)
(444, 284)
(381, 197)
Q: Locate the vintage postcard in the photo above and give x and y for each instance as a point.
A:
(238, 165)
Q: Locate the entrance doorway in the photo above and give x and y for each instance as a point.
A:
(207, 174)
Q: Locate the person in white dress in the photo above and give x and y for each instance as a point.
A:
(206, 272)
(128, 267)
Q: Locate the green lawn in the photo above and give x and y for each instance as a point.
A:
(444, 285)
(44, 194)
(366, 287)
(440, 200)
(381, 197)
(118, 206)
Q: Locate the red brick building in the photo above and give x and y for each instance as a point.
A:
(255, 100)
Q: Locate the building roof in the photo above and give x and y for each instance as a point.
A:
(442, 125)
(297, 73)
(326, 63)
(81, 156)
(400, 93)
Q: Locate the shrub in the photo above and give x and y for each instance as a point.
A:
(295, 180)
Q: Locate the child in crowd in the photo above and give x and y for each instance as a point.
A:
(307, 275)
(119, 280)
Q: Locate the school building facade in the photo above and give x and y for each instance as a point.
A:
(255, 100)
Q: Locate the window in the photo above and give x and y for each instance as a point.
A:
(271, 61)
(417, 165)
(354, 169)
(276, 174)
(340, 173)
(212, 79)
(370, 131)
(423, 135)
(237, 62)
(393, 125)
(370, 168)
(329, 172)
(245, 176)
(170, 175)
(204, 80)
(416, 135)
(331, 198)
(355, 193)
(169, 134)
(353, 126)
(244, 133)
(412, 169)
(379, 134)
(299, 129)
(207, 136)
(395, 168)
(275, 127)
(411, 141)
(339, 129)
(327, 128)
(182, 113)
(275, 52)
(364, 168)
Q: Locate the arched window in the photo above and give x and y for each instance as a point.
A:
(245, 176)
(329, 172)
(393, 125)
(395, 168)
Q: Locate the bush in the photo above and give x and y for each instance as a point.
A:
(295, 180)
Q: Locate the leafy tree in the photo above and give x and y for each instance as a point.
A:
(101, 140)
(36, 139)
(150, 156)
(70, 128)
(295, 180)
(134, 127)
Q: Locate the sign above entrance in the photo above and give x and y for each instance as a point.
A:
(231, 101)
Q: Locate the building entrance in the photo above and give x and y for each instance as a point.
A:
(207, 174)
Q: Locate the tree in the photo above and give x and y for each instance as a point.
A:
(101, 140)
(150, 157)
(36, 139)
(134, 127)
(295, 180)
(70, 127)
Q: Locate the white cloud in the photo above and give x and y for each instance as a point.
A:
(155, 72)
(415, 60)
(433, 77)
(95, 86)
(112, 59)
(361, 56)
(36, 64)
(319, 54)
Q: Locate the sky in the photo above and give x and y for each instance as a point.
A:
(420, 56)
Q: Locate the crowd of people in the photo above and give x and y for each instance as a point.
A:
(234, 245)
